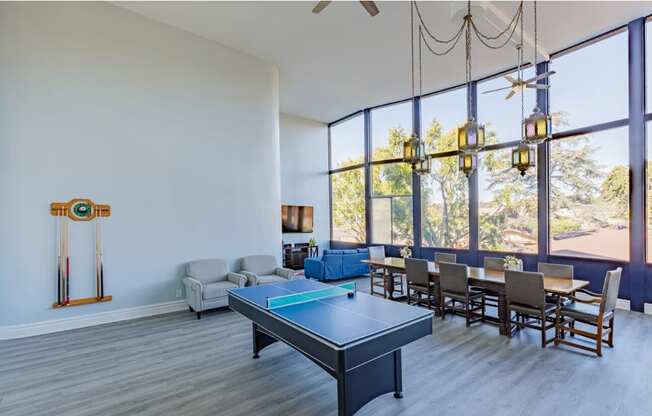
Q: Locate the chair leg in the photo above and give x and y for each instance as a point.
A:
(610, 340)
(598, 349)
(467, 312)
(543, 332)
(198, 315)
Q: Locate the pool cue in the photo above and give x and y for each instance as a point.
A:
(67, 250)
(58, 228)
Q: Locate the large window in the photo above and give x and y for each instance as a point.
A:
(591, 84)
(445, 205)
(589, 195)
(391, 204)
(347, 142)
(501, 115)
(648, 194)
(507, 204)
(441, 114)
(348, 206)
(390, 126)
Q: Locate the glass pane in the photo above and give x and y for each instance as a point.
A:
(589, 195)
(402, 221)
(591, 84)
(445, 205)
(348, 210)
(502, 117)
(347, 142)
(381, 220)
(389, 128)
(648, 66)
(391, 179)
(507, 204)
(648, 202)
(441, 114)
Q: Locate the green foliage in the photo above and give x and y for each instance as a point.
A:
(615, 189)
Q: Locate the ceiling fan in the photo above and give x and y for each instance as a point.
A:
(518, 84)
(369, 6)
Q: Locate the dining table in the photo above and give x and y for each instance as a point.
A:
(490, 280)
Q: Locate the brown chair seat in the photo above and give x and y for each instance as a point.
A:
(528, 310)
(461, 297)
(584, 311)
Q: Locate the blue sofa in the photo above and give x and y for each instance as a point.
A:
(337, 264)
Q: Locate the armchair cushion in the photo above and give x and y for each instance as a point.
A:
(207, 270)
(583, 311)
(217, 289)
(269, 278)
(261, 264)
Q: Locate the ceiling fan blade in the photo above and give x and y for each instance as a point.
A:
(538, 86)
(510, 95)
(497, 89)
(320, 6)
(540, 76)
(511, 79)
(370, 7)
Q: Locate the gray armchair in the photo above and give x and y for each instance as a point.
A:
(262, 269)
(207, 282)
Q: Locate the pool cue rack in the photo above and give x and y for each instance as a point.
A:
(78, 209)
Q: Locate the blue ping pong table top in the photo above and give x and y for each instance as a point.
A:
(340, 320)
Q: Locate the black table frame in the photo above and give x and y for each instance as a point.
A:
(364, 369)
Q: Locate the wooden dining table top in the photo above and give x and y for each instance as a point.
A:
(558, 285)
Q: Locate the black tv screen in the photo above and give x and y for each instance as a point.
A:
(296, 218)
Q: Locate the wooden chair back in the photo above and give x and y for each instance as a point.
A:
(377, 252)
(525, 288)
(556, 270)
(416, 271)
(453, 277)
(446, 257)
(610, 290)
(494, 263)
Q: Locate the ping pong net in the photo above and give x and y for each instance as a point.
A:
(310, 296)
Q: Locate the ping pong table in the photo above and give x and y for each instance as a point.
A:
(354, 337)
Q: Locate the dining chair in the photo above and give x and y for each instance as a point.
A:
(454, 284)
(495, 264)
(377, 274)
(594, 311)
(447, 257)
(526, 297)
(561, 271)
(418, 281)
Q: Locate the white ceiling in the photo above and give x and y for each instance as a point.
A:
(343, 60)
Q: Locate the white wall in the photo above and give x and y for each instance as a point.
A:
(304, 173)
(177, 133)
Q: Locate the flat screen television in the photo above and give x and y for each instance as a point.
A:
(297, 218)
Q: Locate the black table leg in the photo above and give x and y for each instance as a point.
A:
(260, 339)
(358, 386)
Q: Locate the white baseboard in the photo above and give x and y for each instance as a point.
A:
(74, 322)
(647, 308)
(623, 304)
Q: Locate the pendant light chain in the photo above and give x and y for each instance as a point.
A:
(467, 18)
(412, 43)
(520, 74)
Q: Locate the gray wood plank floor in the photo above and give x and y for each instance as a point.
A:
(175, 365)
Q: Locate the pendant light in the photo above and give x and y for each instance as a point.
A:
(523, 156)
(414, 149)
(468, 162)
(470, 136)
(537, 128)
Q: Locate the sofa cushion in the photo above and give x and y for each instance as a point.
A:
(352, 251)
(217, 289)
(270, 278)
(259, 264)
(208, 270)
(327, 252)
(363, 250)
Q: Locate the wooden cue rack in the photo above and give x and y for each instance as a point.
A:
(78, 209)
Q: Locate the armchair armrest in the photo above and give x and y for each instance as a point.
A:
(590, 300)
(194, 291)
(286, 273)
(237, 279)
(252, 278)
(592, 294)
